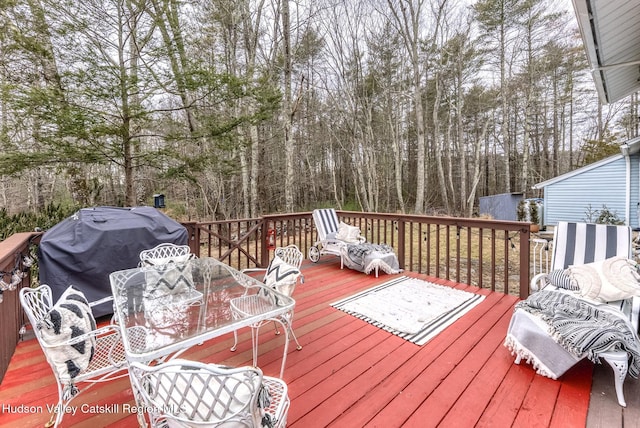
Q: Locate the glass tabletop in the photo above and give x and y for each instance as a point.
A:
(163, 310)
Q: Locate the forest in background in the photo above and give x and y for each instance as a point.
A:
(238, 108)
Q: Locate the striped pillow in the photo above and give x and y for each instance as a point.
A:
(561, 279)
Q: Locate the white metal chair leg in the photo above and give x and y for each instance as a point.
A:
(235, 341)
(619, 361)
(254, 344)
(286, 328)
(255, 340)
(286, 320)
(298, 345)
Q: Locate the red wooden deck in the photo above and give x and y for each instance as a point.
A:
(352, 374)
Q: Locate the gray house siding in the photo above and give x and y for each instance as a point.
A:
(612, 183)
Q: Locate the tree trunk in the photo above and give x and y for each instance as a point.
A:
(442, 182)
(287, 113)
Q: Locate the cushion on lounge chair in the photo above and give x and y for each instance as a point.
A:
(368, 257)
(69, 318)
(612, 279)
(347, 233)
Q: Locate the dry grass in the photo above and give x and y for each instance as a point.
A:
(457, 253)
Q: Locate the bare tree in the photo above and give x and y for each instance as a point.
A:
(406, 16)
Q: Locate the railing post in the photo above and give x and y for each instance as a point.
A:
(264, 252)
(401, 243)
(525, 257)
(193, 233)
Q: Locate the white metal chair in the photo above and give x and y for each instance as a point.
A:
(171, 272)
(160, 255)
(183, 393)
(282, 274)
(165, 253)
(333, 236)
(574, 244)
(77, 351)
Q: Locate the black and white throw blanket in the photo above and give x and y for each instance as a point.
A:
(584, 329)
(357, 252)
(366, 257)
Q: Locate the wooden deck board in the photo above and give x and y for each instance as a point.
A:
(573, 400)
(352, 374)
(471, 404)
(430, 370)
(447, 393)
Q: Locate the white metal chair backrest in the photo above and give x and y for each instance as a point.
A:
(36, 302)
(290, 255)
(195, 393)
(581, 243)
(326, 221)
(165, 253)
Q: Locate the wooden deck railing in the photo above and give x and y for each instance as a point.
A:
(486, 253)
(12, 250)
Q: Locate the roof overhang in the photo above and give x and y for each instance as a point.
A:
(630, 147)
(610, 31)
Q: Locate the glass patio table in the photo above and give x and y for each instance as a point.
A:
(165, 310)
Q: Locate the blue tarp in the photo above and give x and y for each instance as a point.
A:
(85, 248)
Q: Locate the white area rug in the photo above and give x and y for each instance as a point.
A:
(413, 309)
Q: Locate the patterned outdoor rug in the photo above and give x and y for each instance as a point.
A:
(410, 308)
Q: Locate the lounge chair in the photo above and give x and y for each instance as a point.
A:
(333, 235)
(345, 241)
(570, 305)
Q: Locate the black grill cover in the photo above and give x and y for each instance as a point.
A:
(86, 247)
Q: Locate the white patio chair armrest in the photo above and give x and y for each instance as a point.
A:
(361, 239)
(102, 331)
(101, 301)
(252, 270)
(252, 289)
(538, 281)
(106, 300)
(107, 329)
